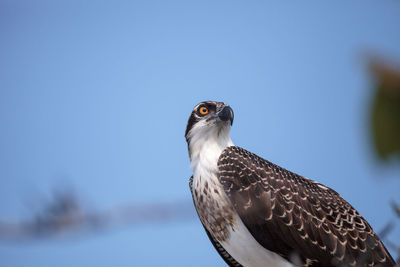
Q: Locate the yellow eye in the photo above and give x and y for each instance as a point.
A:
(203, 110)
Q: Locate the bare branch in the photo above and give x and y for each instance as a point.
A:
(64, 214)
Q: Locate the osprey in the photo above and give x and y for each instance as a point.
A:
(258, 214)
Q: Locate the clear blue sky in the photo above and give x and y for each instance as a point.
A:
(96, 94)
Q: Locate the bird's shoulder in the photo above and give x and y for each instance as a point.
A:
(241, 162)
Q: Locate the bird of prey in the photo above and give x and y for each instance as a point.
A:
(258, 214)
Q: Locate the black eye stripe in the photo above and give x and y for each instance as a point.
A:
(193, 119)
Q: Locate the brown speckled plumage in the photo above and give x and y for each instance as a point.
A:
(288, 213)
(215, 213)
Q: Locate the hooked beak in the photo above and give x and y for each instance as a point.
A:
(225, 114)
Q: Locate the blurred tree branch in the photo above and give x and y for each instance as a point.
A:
(65, 214)
(388, 228)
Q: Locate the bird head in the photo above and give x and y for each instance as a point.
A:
(209, 124)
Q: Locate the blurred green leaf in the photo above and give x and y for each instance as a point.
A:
(385, 114)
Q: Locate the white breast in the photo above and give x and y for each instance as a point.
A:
(247, 251)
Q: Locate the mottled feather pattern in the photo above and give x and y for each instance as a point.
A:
(213, 207)
(283, 211)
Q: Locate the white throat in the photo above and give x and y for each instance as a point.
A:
(206, 145)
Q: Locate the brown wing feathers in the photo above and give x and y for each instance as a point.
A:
(287, 213)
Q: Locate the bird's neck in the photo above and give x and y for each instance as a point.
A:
(205, 149)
